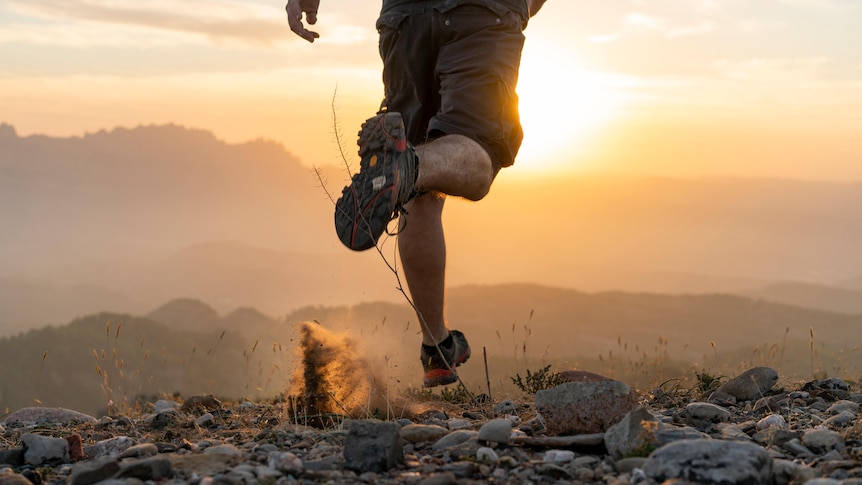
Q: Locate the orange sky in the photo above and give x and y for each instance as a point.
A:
(660, 87)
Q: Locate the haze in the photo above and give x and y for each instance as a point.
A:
(164, 149)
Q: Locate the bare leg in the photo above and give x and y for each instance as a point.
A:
(453, 165)
(423, 257)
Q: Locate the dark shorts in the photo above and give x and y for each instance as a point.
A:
(455, 72)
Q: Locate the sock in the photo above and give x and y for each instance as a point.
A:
(447, 344)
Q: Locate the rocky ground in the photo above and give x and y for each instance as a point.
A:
(586, 430)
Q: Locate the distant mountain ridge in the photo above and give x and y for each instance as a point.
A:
(186, 346)
(125, 219)
(131, 191)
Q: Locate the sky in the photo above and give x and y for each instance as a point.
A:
(688, 88)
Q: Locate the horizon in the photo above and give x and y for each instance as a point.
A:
(659, 88)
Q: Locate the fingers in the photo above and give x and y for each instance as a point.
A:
(294, 20)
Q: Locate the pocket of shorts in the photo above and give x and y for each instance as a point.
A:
(390, 22)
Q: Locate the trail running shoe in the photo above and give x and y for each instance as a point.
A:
(385, 182)
(436, 371)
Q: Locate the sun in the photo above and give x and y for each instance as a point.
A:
(561, 106)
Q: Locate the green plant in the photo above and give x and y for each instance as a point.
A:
(539, 380)
(707, 382)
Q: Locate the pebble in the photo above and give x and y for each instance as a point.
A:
(485, 454)
(751, 385)
(418, 433)
(496, 431)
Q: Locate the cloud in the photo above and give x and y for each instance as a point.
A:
(771, 70)
(639, 24)
(226, 20)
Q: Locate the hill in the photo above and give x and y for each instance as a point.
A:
(185, 346)
(126, 219)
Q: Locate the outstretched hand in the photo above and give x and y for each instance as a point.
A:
(295, 9)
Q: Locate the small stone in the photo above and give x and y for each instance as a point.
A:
(843, 405)
(821, 440)
(505, 407)
(455, 424)
(224, 449)
(14, 479)
(418, 433)
(558, 456)
(76, 447)
(485, 454)
(444, 478)
(729, 431)
(496, 431)
(635, 434)
(751, 384)
(162, 420)
(92, 471)
(113, 447)
(205, 420)
(773, 421)
(455, 438)
(844, 418)
(12, 457)
(150, 469)
(43, 450)
(163, 405)
(668, 434)
(142, 450)
(286, 462)
(627, 465)
(202, 403)
(372, 446)
(703, 414)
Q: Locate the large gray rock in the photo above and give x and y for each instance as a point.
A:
(373, 446)
(716, 462)
(751, 385)
(43, 450)
(584, 407)
(635, 435)
(40, 415)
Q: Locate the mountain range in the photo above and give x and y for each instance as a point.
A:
(123, 220)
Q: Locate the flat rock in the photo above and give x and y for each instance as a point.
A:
(40, 415)
(715, 462)
(418, 433)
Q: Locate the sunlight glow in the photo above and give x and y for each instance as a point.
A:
(561, 106)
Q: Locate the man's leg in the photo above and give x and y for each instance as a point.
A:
(423, 258)
(450, 165)
(455, 165)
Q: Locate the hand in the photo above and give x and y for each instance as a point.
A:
(295, 9)
(534, 6)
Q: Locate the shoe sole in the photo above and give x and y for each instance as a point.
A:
(443, 377)
(359, 225)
